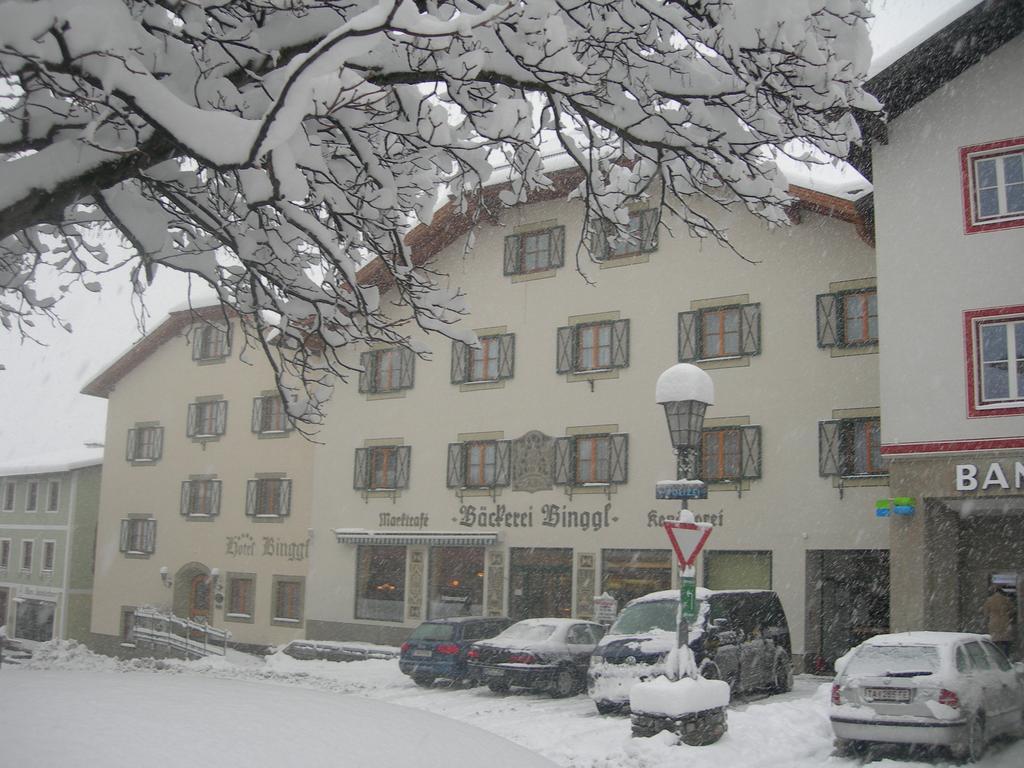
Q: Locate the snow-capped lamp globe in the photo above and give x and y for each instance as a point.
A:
(685, 391)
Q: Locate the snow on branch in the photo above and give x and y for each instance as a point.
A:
(272, 149)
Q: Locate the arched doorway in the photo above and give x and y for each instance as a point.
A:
(193, 593)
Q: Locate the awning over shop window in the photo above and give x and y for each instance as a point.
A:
(399, 538)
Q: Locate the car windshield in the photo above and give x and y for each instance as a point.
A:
(528, 632)
(433, 632)
(894, 660)
(643, 617)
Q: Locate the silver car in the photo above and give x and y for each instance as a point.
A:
(948, 689)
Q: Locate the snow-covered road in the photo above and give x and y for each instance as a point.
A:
(790, 730)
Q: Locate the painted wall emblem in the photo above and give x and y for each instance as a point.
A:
(533, 462)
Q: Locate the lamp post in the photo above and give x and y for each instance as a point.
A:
(685, 391)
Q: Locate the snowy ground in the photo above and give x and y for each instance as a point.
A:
(69, 707)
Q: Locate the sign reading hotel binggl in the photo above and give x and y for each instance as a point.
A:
(971, 477)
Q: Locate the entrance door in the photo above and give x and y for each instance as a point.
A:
(199, 599)
(541, 583)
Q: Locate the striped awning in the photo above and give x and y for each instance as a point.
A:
(401, 538)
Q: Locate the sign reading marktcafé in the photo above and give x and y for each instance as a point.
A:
(996, 475)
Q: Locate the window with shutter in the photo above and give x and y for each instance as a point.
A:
(640, 235)
(269, 416)
(719, 332)
(200, 498)
(138, 536)
(850, 448)
(536, 251)
(586, 460)
(847, 319)
(210, 342)
(387, 370)
(207, 419)
(268, 497)
(590, 347)
(730, 454)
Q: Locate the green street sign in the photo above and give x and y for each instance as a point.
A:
(688, 597)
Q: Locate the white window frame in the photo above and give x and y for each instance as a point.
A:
(49, 494)
(5, 559)
(13, 486)
(32, 490)
(1013, 383)
(27, 546)
(51, 545)
(975, 321)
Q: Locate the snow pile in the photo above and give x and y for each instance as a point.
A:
(676, 698)
(68, 655)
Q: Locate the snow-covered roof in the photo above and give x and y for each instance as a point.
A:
(58, 461)
(886, 57)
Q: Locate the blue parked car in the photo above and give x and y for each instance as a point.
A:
(437, 648)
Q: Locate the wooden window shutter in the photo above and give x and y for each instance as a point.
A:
(750, 453)
(402, 465)
(649, 219)
(186, 497)
(565, 464)
(599, 239)
(130, 448)
(215, 497)
(406, 369)
(750, 329)
(502, 462)
(620, 344)
(252, 490)
(506, 355)
(829, 462)
(149, 536)
(158, 442)
(557, 247)
(566, 350)
(366, 360)
(828, 319)
(126, 529)
(192, 419)
(460, 367)
(284, 489)
(618, 456)
(221, 417)
(197, 343)
(361, 475)
(257, 414)
(456, 465)
(511, 261)
(689, 342)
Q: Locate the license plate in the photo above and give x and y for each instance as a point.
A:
(494, 672)
(899, 695)
(421, 653)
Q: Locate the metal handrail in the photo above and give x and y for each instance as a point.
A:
(193, 638)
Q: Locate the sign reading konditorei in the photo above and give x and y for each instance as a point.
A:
(245, 545)
(969, 477)
(658, 520)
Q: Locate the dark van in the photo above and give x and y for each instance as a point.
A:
(740, 636)
(437, 648)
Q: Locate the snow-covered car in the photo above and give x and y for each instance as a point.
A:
(542, 654)
(740, 636)
(438, 648)
(932, 688)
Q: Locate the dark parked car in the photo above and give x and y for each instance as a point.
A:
(740, 636)
(542, 654)
(438, 648)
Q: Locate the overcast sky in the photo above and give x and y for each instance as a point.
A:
(43, 412)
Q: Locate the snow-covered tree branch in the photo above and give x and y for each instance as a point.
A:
(272, 147)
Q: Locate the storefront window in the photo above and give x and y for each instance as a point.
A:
(456, 582)
(34, 620)
(380, 583)
(629, 573)
(738, 570)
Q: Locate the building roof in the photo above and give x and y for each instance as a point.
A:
(62, 461)
(908, 75)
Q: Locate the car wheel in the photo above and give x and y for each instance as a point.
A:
(498, 686)
(607, 708)
(424, 681)
(974, 745)
(564, 684)
(782, 680)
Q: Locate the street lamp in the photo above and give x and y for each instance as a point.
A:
(685, 391)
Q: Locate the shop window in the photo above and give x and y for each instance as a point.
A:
(995, 361)
(590, 347)
(53, 496)
(49, 557)
(730, 454)
(382, 468)
(8, 496)
(27, 551)
(138, 536)
(386, 370)
(269, 416)
(540, 582)
(456, 582)
(850, 448)
(737, 570)
(591, 460)
(641, 236)
(479, 464)
(380, 583)
(536, 251)
(720, 332)
(630, 573)
(993, 185)
(241, 597)
(32, 496)
(200, 498)
(145, 444)
(268, 497)
(847, 318)
(210, 343)
(34, 619)
(287, 608)
(207, 418)
(493, 359)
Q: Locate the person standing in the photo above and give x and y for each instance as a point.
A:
(998, 610)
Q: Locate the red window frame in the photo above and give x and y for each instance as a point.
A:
(386, 370)
(272, 414)
(968, 155)
(383, 468)
(477, 471)
(485, 356)
(973, 320)
(873, 460)
(860, 324)
(599, 471)
(598, 349)
(288, 601)
(716, 451)
(240, 596)
(715, 321)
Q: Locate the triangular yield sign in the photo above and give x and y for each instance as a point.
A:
(687, 540)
